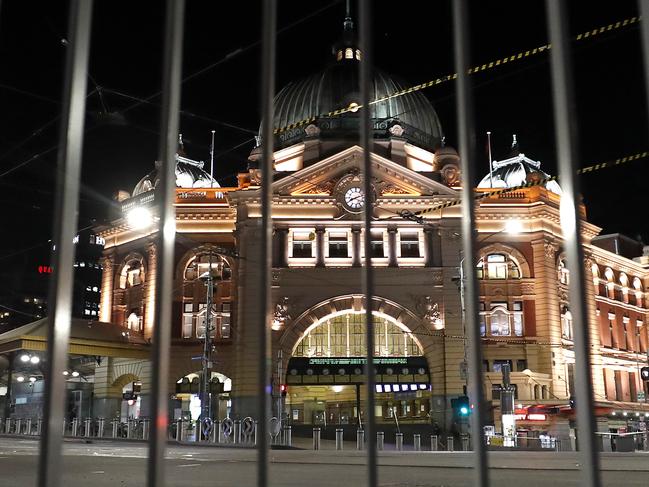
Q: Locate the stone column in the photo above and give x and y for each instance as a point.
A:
(548, 318)
(107, 285)
(356, 246)
(392, 246)
(149, 289)
(319, 242)
(429, 236)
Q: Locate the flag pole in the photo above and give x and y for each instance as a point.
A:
(212, 161)
(491, 169)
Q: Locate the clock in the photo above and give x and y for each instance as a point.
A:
(354, 198)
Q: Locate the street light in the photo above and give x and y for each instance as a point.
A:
(139, 218)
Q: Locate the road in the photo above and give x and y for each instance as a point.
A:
(103, 464)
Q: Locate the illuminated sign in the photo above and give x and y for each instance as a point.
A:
(44, 269)
(536, 417)
(357, 361)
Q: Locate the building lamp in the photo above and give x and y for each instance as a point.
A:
(139, 218)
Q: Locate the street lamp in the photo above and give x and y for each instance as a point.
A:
(139, 217)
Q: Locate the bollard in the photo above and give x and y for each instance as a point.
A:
(75, 426)
(199, 432)
(145, 429)
(433, 443)
(8, 426)
(129, 424)
(645, 441)
(465, 443)
(219, 433)
(214, 434)
(114, 423)
(289, 435)
(416, 441)
(316, 438)
(339, 438)
(254, 433)
(360, 439)
(100, 427)
(399, 441)
(380, 440)
(19, 426)
(28, 426)
(87, 428)
(449, 443)
(237, 431)
(39, 426)
(179, 430)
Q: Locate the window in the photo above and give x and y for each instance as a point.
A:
(500, 320)
(337, 245)
(134, 321)
(132, 274)
(566, 324)
(497, 266)
(521, 365)
(498, 365)
(201, 322)
(302, 245)
(409, 244)
(188, 320)
(377, 244)
(225, 320)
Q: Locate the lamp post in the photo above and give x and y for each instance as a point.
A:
(208, 278)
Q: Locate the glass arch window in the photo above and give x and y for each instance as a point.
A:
(498, 266)
(344, 336)
(132, 274)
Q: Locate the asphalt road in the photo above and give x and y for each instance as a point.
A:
(104, 464)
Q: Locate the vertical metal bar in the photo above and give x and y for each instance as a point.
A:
(169, 115)
(267, 95)
(466, 134)
(644, 27)
(566, 138)
(365, 15)
(65, 227)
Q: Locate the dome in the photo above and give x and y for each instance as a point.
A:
(336, 87)
(516, 171)
(189, 174)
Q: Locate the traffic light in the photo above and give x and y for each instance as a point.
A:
(461, 407)
(644, 373)
(283, 389)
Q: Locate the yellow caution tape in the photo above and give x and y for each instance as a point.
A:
(476, 69)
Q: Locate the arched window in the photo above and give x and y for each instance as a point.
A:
(501, 319)
(195, 273)
(566, 324)
(498, 266)
(637, 286)
(564, 273)
(610, 285)
(134, 321)
(343, 335)
(132, 273)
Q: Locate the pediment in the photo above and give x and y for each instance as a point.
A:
(389, 178)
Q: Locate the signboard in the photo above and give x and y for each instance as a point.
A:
(641, 396)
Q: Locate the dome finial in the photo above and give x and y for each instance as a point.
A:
(515, 150)
(349, 23)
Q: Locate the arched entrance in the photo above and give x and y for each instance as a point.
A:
(187, 399)
(325, 372)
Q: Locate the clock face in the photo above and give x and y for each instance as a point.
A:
(354, 198)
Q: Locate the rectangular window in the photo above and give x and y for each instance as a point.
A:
(521, 365)
(495, 392)
(498, 365)
(338, 245)
(409, 244)
(302, 245)
(377, 244)
(496, 266)
(518, 318)
(225, 320)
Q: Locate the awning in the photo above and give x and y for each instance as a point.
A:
(401, 371)
(86, 338)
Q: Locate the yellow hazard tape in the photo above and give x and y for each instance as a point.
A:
(476, 69)
(583, 170)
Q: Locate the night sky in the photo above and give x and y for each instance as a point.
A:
(411, 39)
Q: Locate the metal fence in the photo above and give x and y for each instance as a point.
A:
(157, 430)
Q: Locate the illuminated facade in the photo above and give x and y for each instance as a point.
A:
(317, 326)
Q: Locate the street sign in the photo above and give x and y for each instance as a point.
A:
(641, 396)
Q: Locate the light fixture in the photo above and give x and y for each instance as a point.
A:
(637, 414)
(513, 227)
(139, 218)
(624, 413)
(32, 379)
(613, 413)
(20, 378)
(337, 388)
(24, 357)
(65, 372)
(75, 373)
(35, 359)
